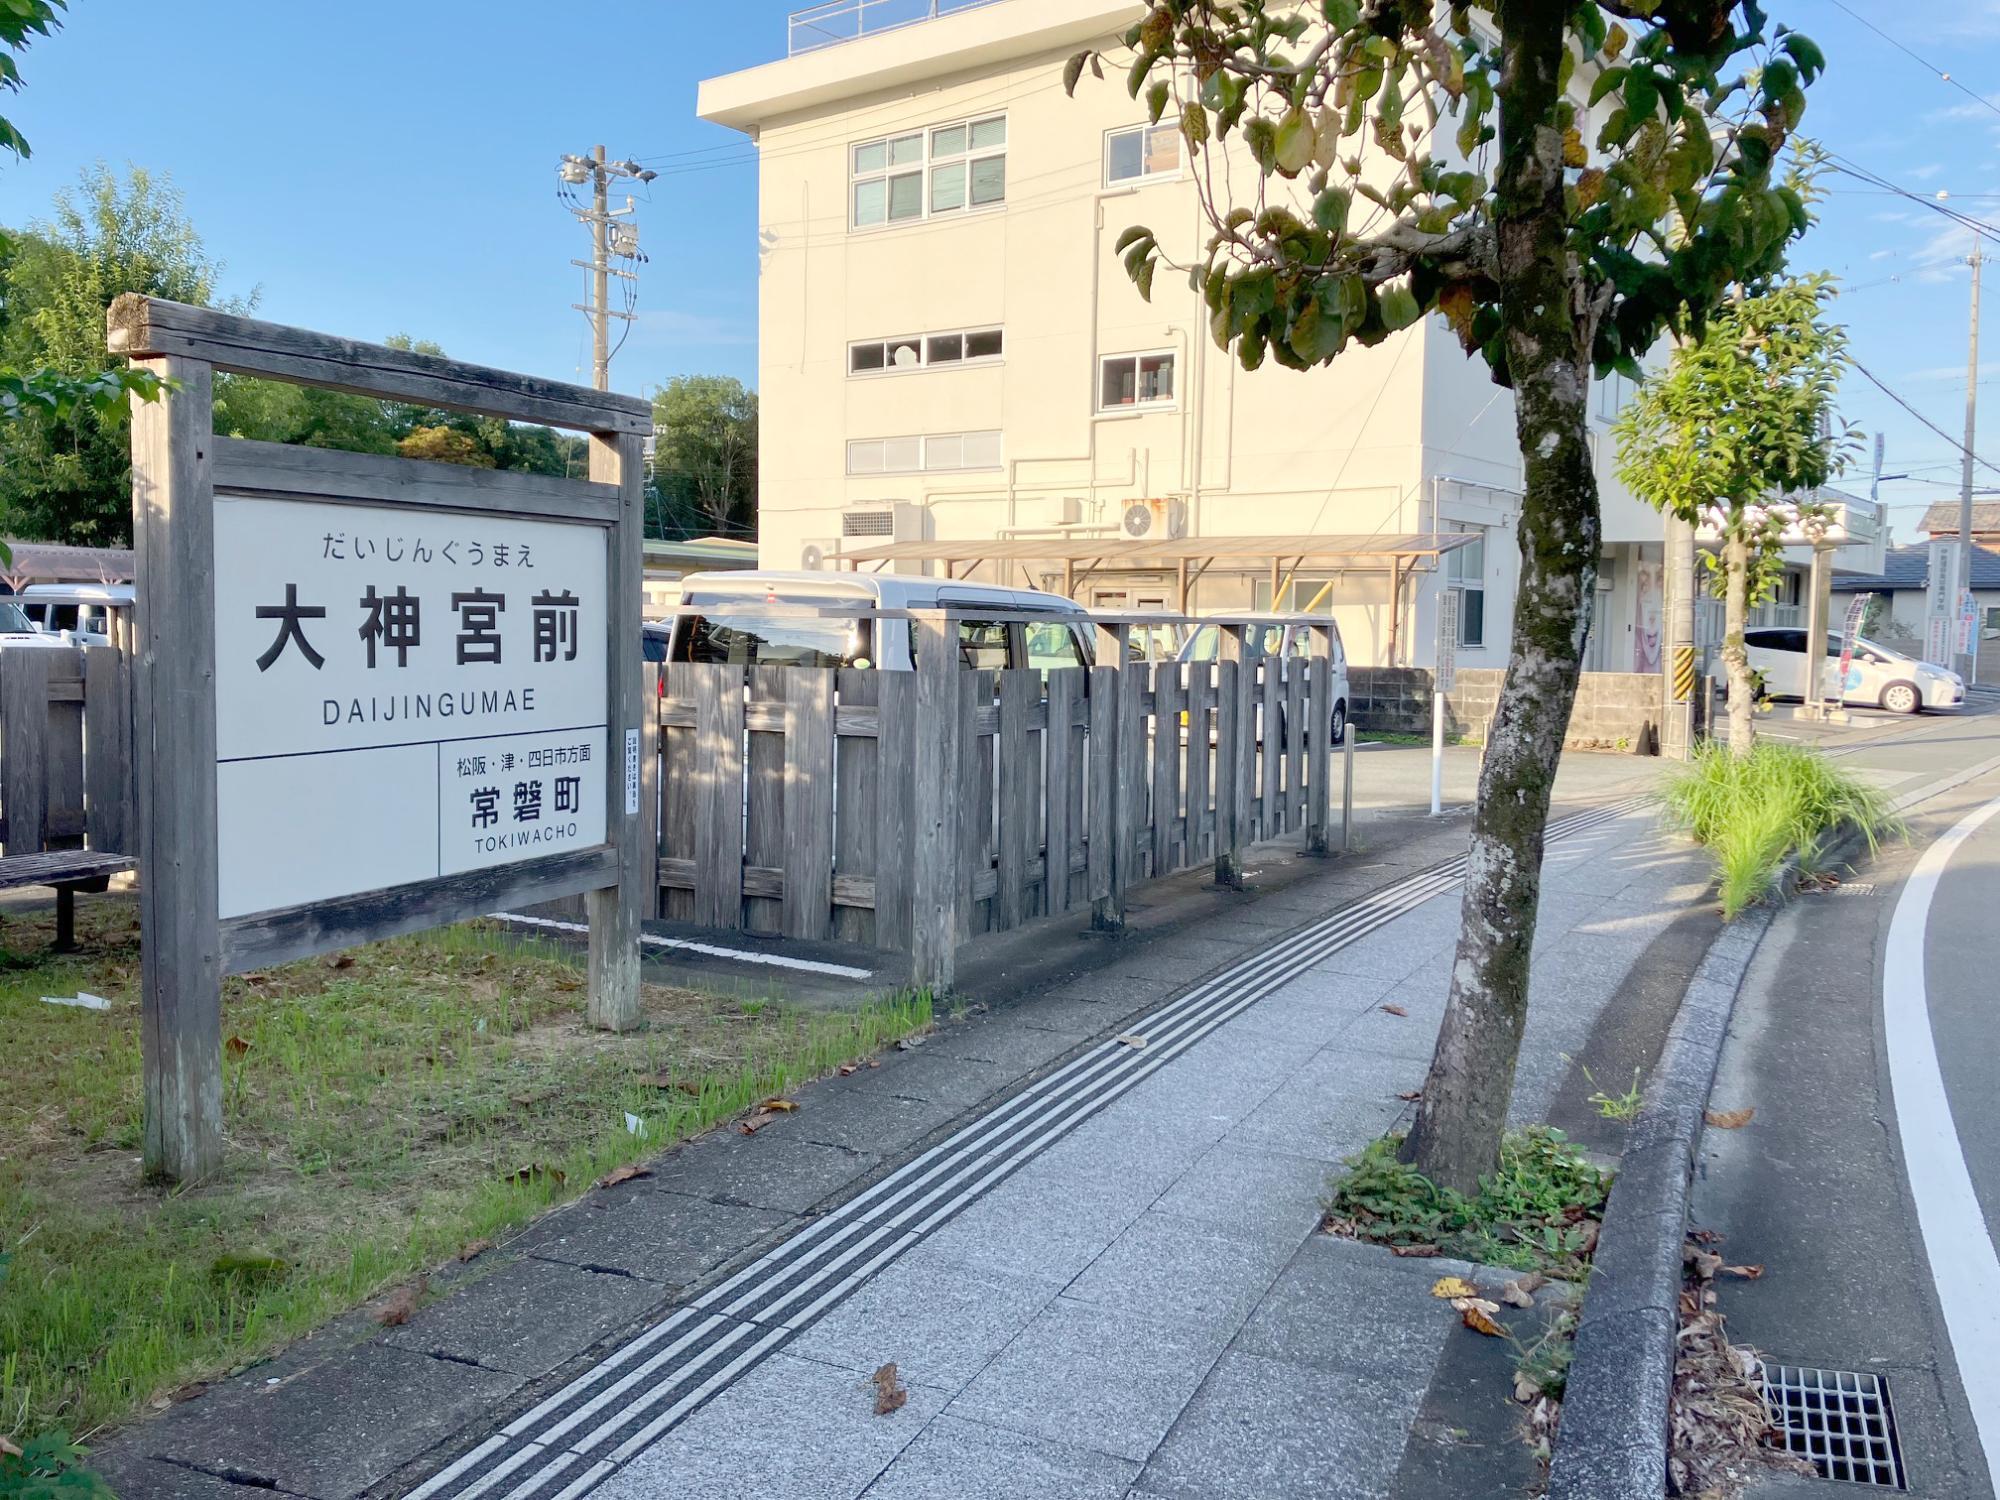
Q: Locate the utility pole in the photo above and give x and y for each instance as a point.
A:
(612, 233)
(1967, 661)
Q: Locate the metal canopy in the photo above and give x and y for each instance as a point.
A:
(1188, 557)
(1377, 551)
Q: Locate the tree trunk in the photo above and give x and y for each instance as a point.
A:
(1463, 1111)
(1742, 696)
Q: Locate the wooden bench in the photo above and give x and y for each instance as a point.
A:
(69, 871)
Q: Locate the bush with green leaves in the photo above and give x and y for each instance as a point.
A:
(49, 1467)
(1751, 811)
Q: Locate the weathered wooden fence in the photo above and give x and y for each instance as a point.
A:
(913, 810)
(65, 750)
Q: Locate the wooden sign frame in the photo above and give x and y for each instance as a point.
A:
(179, 466)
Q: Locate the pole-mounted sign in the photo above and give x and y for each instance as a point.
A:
(372, 694)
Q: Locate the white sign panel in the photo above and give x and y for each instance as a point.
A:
(401, 695)
(1447, 642)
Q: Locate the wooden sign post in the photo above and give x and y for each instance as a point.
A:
(373, 695)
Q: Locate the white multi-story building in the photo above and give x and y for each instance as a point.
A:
(950, 350)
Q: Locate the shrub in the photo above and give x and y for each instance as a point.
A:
(1753, 810)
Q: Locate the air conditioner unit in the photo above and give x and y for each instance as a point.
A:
(813, 555)
(1158, 519)
(896, 521)
(1072, 510)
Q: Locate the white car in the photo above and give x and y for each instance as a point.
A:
(85, 610)
(19, 633)
(1876, 675)
(1290, 642)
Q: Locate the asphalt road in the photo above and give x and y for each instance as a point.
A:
(1867, 1184)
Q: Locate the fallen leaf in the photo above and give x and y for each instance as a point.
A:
(874, 1062)
(1453, 1286)
(890, 1394)
(1415, 1252)
(1706, 1236)
(1475, 1304)
(1729, 1119)
(1479, 1321)
(1588, 1246)
(846, 1068)
(537, 1172)
(1705, 1262)
(1526, 1388)
(235, 1046)
(7, 1447)
(757, 1121)
(1743, 1273)
(1516, 1295)
(474, 1250)
(396, 1309)
(622, 1174)
(908, 1044)
(1133, 1040)
(1412, 1096)
(341, 961)
(782, 1106)
(1395, 1010)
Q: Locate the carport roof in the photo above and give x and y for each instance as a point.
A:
(1357, 551)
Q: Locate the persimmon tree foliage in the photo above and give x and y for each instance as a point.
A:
(1740, 419)
(1561, 181)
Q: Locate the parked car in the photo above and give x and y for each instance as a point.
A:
(1289, 641)
(807, 620)
(83, 609)
(1876, 675)
(18, 632)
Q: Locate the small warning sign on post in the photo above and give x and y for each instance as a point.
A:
(1449, 601)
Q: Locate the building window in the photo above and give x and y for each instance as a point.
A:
(1614, 392)
(940, 452)
(1143, 151)
(917, 350)
(1128, 380)
(922, 173)
(1465, 570)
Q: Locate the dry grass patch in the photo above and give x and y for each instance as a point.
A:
(384, 1108)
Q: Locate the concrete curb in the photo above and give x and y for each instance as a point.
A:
(1613, 1441)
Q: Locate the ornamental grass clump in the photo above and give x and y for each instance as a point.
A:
(1751, 811)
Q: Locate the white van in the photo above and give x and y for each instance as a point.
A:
(83, 609)
(1289, 641)
(809, 620)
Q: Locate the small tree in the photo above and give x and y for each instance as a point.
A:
(1740, 419)
(706, 449)
(1539, 233)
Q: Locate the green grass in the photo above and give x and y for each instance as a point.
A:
(1534, 1213)
(1752, 811)
(385, 1109)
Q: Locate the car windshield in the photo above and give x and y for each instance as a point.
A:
(13, 619)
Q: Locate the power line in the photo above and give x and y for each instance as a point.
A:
(1934, 204)
(1922, 62)
(1955, 443)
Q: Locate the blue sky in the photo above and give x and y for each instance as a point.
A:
(372, 168)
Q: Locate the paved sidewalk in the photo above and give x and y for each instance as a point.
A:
(1141, 1305)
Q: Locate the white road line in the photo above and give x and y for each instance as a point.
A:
(709, 950)
(1964, 1266)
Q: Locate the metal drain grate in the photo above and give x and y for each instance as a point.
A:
(1839, 1421)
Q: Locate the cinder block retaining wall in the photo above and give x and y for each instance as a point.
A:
(1614, 710)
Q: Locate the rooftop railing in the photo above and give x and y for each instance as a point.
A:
(840, 21)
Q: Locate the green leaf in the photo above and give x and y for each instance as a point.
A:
(1399, 306)
(1156, 100)
(1341, 15)
(1293, 145)
(1136, 79)
(1261, 136)
(1642, 94)
(1131, 237)
(1142, 277)
(1073, 70)
(1811, 61)
(1330, 210)
(1608, 80)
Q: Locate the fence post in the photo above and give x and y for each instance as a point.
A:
(934, 866)
(1234, 730)
(1347, 788)
(1110, 852)
(1319, 741)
